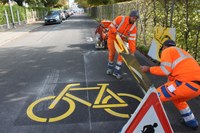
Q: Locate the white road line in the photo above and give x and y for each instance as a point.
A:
(89, 39)
(89, 113)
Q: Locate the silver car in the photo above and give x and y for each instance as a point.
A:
(53, 17)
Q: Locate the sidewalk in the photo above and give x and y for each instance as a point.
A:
(9, 35)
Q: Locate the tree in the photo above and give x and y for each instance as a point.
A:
(3, 1)
(34, 2)
(19, 2)
(61, 3)
(49, 3)
(46, 3)
(98, 2)
(82, 3)
(121, 0)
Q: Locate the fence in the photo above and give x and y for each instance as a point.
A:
(180, 15)
(16, 15)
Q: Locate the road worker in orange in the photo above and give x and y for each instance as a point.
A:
(183, 84)
(102, 31)
(126, 28)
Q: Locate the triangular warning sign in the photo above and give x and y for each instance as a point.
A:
(149, 114)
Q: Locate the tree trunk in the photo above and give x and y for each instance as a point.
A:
(187, 26)
(166, 13)
(154, 11)
(196, 46)
(172, 12)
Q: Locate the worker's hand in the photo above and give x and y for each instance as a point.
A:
(145, 68)
(125, 38)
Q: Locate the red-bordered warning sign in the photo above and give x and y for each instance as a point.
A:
(149, 115)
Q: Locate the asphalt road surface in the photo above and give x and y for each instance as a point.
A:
(61, 61)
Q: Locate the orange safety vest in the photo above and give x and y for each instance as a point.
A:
(177, 64)
(126, 30)
(105, 23)
(102, 29)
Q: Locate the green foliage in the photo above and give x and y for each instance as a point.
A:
(143, 49)
(116, 1)
(36, 3)
(40, 12)
(61, 3)
(98, 2)
(3, 1)
(88, 3)
(82, 3)
(49, 3)
(46, 3)
(2, 14)
(185, 18)
(186, 21)
(24, 13)
(21, 11)
(15, 8)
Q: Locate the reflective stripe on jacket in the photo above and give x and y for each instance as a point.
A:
(126, 30)
(177, 64)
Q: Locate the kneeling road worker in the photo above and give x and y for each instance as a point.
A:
(183, 73)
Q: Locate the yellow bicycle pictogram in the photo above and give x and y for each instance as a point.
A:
(99, 103)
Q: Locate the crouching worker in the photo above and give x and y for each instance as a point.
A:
(126, 28)
(102, 31)
(183, 84)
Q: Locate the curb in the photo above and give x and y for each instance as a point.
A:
(139, 54)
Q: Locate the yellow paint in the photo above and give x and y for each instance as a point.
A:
(30, 113)
(101, 92)
(32, 116)
(64, 95)
(78, 99)
(117, 114)
(53, 104)
(110, 105)
(115, 96)
(82, 89)
(66, 114)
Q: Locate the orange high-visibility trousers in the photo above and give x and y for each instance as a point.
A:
(178, 92)
(112, 51)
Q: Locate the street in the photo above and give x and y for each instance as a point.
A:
(51, 59)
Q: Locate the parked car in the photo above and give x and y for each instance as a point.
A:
(62, 14)
(53, 17)
(66, 12)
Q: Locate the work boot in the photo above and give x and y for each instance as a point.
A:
(193, 124)
(116, 72)
(188, 118)
(110, 68)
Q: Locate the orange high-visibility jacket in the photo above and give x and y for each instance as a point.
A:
(102, 29)
(126, 30)
(177, 64)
